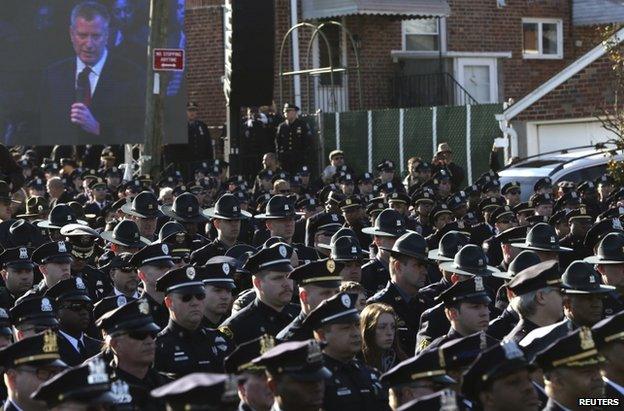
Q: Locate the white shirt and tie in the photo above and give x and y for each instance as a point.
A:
(77, 343)
(94, 74)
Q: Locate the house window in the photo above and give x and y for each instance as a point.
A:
(542, 39)
(422, 34)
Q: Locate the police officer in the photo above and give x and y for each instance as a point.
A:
(571, 367)
(17, 273)
(185, 210)
(226, 217)
(123, 275)
(536, 297)
(253, 390)
(609, 262)
(466, 308)
(77, 388)
(280, 222)
(469, 262)
(54, 261)
(543, 239)
(292, 139)
(583, 296)
(296, 375)
(271, 310)
(125, 237)
(389, 226)
(26, 364)
(143, 210)
(61, 215)
(507, 320)
(416, 377)
(83, 250)
(152, 262)
(32, 315)
(73, 308)
(181, 346)
(317, 281)
(130, 345)
(499, 380)
(580, 222)
(353, 385)
(409, 259)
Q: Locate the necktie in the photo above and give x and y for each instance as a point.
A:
(81, 347)
(83, 87)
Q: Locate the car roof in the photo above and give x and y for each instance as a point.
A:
(545, 165)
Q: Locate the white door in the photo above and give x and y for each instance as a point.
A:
(478, 76)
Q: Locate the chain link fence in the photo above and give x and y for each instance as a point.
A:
(368, 137)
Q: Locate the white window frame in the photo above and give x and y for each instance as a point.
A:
(441, 35)
(540, 55)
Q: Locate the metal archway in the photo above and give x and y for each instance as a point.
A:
(321, 70)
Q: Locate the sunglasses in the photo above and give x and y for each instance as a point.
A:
(513, 192)
(141, 335)
(188, 297)
(78, 307)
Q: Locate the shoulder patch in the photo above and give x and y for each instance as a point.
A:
(424, 343)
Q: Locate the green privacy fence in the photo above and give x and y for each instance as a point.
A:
(368, 137)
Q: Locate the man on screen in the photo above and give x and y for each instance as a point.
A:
(94, 96)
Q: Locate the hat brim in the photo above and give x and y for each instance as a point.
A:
(381, 233)
(108, 236)
(265, 216)
(188, 289)
(127, 209)
(602, 289)
(417, 256)
(596, 259)
(228, 285)
(48, 224)
(505, 275)
(451, 268)
(559, 249)
(434, 256)
(168, 211)
(212, 213)
(29, 215)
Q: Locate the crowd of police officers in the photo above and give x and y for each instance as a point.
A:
(221, 293)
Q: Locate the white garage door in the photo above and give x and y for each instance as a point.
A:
(556, 136)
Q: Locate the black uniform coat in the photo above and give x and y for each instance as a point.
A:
(70, 356)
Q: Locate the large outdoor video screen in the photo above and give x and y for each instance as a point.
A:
(74, 72)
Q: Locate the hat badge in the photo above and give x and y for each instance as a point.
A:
(46, 306)
(478, 284)
(190, 273)
(23, 253)
(398, 223)
(226, 268)
(346, 301)
(50, 343)
(354, 250)
(331, 266)
(121, 300)
(189, 209)
(282, 251)
(150, 206)
(553, 239)
(334, 217)
(286, 207)
(592, 279)
(97, 372)
(165, 249)
(69, 218)
(266, 343)
(61, 247)
(80, 284)
(144, 307)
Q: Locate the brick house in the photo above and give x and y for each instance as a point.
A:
(412, 52)
(564, 110)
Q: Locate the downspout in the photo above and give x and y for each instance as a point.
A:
(295, 51)
(510, 134)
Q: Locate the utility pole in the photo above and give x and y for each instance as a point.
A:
(154, 94)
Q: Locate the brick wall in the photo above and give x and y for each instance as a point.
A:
(475, 25)
(204, 59)
(581, 96)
